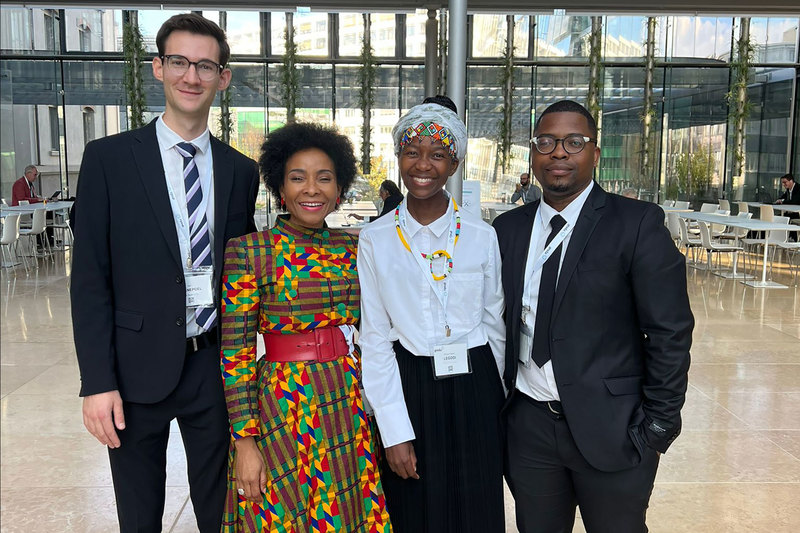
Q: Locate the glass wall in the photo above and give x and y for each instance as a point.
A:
(56, 96)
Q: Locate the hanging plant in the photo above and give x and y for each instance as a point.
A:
(739, 105)
(648, 116)
(287, 71)
(506, 81)
(134, 91)
(367, 73)
(595, 69)
(225, 118)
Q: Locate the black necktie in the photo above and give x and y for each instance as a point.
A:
(547, 293)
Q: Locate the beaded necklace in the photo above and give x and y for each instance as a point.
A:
(438, 253)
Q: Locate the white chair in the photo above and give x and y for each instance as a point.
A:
(743, 207)
(767, 213)
(37, 228)
(711, 247)
(775, 238)
(708, 208)
(682, 205)
(690, 243)
(674, 227)
(725, 205)
(4, 202)
(737, 233)
(668, 203)
(60, 223)
(793, 251)
(9, 239)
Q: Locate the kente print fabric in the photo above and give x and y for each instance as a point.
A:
(430, 129)
(307, 418)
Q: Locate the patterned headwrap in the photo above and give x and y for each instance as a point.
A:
(432, 120)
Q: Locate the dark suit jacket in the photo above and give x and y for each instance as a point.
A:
(22, 191)
(621, 326)
(795, 199)
(390, 204)
(128, 292)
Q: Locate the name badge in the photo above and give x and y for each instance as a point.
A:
(525, 344)
(199, 289)
(450, 360)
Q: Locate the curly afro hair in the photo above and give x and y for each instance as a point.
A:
(283, 143)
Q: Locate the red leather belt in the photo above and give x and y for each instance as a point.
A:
(321, 344)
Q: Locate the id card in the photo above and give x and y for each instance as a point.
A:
(199, 292)
(450, 360)
(525, 345)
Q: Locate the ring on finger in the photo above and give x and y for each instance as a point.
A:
(240, 491)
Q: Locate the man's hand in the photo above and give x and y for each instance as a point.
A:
(101, 414)
(518, 187)
(251, 473)
(402, 460)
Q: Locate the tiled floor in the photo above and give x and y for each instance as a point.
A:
(735, 468)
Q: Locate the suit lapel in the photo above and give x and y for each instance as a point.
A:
(147, 156)
(223, 183)
(587, 220)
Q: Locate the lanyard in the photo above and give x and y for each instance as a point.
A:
(531, 265)
(182, 217)
(439, 284)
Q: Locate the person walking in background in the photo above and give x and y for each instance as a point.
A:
(433, 339)
(598, 335)
(526, 190)
(391, 197)
(303, 457)
(155, 208)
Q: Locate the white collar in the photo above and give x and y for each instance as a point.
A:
(168, 138)
(437, 227)
(569, 213)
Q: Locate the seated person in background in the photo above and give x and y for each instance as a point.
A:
(629, 192)
(791, 196)
(526, 190)
(23, 188)
(390, 195)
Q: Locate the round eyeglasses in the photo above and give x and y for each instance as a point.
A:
(206, 69)
(573, 144)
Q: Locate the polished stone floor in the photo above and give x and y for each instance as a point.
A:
(735, 468)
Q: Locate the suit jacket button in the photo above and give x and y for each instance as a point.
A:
(179, 321)
(178, 279)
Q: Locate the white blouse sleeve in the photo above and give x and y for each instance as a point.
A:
(494, 305)
(380, 373)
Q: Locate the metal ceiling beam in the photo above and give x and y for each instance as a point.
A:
(663, 7)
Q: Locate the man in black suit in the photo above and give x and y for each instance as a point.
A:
(791, 194)
(155, 208)
(598, 335)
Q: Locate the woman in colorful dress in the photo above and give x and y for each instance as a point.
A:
(433, 339)
(302, 455)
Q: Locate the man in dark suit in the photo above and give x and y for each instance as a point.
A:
(791, 194)
(598, 335)
(156, 207)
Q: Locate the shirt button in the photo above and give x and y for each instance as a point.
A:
(178, 279)
(179, 321)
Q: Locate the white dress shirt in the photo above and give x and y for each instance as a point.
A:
(398, 303)
(540, 383)
(173, 170)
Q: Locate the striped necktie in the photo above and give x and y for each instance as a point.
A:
(200, 239)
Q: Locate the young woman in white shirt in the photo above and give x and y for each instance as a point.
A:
(432, 338)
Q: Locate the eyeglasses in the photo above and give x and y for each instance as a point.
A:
(206, 69)
(573, 144)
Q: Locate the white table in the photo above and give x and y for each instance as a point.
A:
(752, 225)
(61, 205)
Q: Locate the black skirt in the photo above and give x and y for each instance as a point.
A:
(458, 449)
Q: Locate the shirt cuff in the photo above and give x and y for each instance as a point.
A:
(245, 428)
(394, 425)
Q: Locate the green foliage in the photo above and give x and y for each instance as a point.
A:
(225, 119)
(595, 70)
(289, 77)
(133, 52)
(739, 105)
(376, 177)
(367, 74)
(692, 173)
(506, 81)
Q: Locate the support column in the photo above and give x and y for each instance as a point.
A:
(431, 53)
(457, 75)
